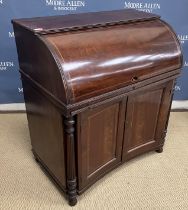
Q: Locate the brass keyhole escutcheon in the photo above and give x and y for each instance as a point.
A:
(134, 79)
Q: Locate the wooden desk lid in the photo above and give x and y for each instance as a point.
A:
(53, 24)
(96, 53)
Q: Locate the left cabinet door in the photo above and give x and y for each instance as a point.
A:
(99, 141)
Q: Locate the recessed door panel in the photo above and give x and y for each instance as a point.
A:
(146, 117)
(99, 141)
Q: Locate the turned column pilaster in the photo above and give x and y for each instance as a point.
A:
(69, 123)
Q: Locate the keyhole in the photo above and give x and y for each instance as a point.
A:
(135, 78)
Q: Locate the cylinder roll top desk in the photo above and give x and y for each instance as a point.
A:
(98, 89)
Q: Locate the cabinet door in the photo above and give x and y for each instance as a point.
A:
(146, 119)
(99, 142)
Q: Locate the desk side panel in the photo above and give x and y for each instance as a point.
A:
(46, 132)
(38, 63)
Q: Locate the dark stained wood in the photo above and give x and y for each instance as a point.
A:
(96, 67)
(46, 132)
(104, 98)
(98, 89)
(93, 67)
(70, 156)
(160, 150)
(36, 62)
(163, 118)
(100, 135)
(146, 117)
(48, 24)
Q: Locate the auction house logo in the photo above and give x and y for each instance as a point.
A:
(146, 7)
(11, 34)
(60, 5)
(6, 65)
(177, 88)
(20, 90)
(183, 38)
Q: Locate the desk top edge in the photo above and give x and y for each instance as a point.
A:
(40, 25)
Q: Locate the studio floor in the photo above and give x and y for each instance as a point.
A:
(151, 181)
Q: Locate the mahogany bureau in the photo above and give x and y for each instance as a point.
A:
(98, 89)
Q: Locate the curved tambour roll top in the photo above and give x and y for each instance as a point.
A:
(97, 55)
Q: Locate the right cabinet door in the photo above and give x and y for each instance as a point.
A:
(146, 119)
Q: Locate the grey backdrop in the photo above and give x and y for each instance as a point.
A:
(175, 12)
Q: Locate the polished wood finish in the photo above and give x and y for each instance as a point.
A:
(46, 132)
(53, 24)
(96, 67)
(98, 89)
(147, 113)
(100, 132)
(93, 67)
(70, 156)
